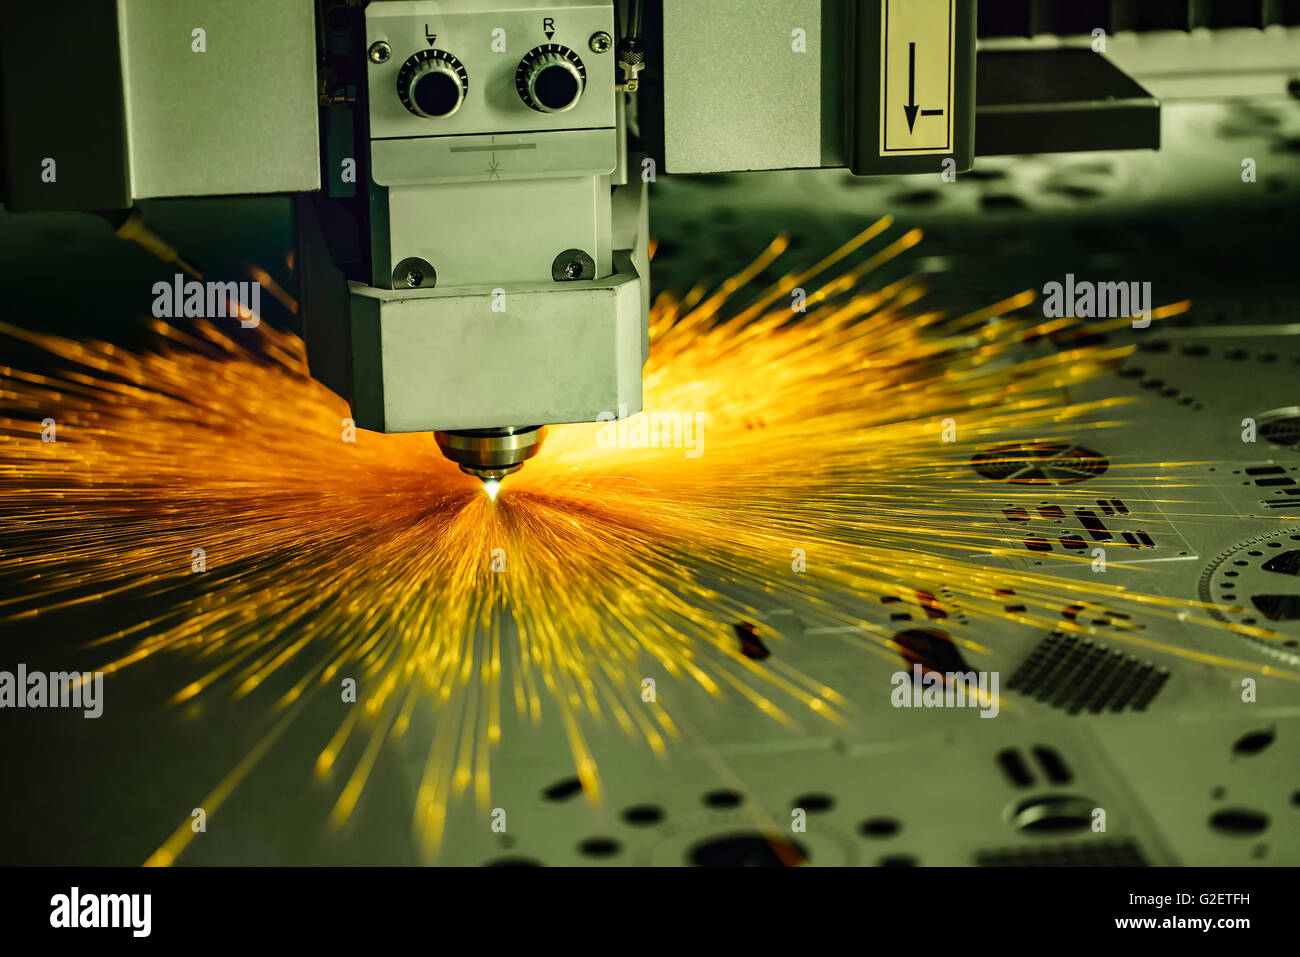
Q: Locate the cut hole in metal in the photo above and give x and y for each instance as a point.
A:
(1055, 814)
(1239, 822)
(747, 849)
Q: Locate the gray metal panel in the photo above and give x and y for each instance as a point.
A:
(502, 232)
(239, 118)
(737, 96)
(438, 359)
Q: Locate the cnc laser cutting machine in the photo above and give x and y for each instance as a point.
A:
(471, 177)
(461, 191)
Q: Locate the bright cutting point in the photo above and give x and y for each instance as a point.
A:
(492, 487)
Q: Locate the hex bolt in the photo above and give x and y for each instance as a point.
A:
(380, 51)
(600, 42)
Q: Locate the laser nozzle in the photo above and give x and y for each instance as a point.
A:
(491, 454)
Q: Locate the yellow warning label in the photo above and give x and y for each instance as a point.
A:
(916, 74)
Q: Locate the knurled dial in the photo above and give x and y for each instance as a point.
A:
(432, 84)
(551, 78)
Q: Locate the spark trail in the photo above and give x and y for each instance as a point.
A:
(375, 559)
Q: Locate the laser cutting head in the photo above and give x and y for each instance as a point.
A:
(501, 272)
(491, 454)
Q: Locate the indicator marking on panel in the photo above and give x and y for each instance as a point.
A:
(916, 71)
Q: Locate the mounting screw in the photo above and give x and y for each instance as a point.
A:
(600, 42)
(380, 51)
(573, 264)
(414, 273)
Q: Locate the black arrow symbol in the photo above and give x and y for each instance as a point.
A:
(431, 37)
(549, 34)
(912, 107)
